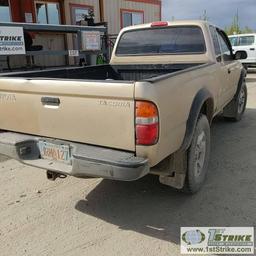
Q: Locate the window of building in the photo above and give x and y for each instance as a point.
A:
(79, 12)
(129, 18)
(48, 13)
(5, 14)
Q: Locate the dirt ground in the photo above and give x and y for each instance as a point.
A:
(101, 217)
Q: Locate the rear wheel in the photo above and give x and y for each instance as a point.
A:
(198, 156)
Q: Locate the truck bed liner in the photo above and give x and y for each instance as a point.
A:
(105, 72)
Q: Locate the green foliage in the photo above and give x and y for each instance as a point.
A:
(248, 30)
(235, 27)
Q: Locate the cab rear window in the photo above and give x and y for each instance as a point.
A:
(164, 40)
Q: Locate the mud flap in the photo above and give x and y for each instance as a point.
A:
(179, 166)
(230, 109)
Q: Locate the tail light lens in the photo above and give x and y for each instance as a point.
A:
(147, 123)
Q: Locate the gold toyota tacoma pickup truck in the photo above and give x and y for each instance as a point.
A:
(148, 111)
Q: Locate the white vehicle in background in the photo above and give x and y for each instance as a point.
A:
(245, 42)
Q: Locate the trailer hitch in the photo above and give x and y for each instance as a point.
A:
(54, 175)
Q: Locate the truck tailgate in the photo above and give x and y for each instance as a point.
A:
(93, 112)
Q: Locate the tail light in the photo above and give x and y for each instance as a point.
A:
(147, 123)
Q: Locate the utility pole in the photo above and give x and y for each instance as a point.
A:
(237, 21)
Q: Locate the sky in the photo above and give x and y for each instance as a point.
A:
(219, 12)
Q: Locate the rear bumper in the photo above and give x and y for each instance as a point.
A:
(87, 160)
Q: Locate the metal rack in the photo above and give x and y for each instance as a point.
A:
(65, 29)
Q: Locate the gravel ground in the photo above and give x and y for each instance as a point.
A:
(100, 217)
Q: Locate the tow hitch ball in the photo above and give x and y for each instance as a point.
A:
(54, 175)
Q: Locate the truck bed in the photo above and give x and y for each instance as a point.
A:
(105, 72)
(93, 105)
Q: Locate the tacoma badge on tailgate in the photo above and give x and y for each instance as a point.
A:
(121, 104)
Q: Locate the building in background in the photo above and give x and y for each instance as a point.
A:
(117, 13)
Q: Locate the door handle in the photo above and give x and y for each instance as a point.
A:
(229, 70)
(252, 49)
(52, 101)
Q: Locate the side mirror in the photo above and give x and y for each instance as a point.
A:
(241, 55)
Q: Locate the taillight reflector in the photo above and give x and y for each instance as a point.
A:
(147, 123)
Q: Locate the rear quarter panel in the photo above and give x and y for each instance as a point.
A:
(174, 97)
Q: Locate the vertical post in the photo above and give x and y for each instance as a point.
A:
(101, 6)
(79, 43)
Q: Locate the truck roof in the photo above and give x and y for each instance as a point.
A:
(208, 56)
(200, 23)
(248, 34)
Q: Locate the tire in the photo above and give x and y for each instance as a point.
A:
(198, 156)
(236, 108)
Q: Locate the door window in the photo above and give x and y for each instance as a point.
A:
(242, 40)
(5, 14)
(216, 43)
(246, 40)
(234, 41)
(226, 52)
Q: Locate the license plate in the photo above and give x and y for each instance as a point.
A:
(55, 152)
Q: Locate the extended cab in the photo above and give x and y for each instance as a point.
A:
(148, 111)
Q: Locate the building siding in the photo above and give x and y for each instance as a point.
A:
(112, 9)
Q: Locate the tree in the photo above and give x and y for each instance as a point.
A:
(234, 28)
(247, 30)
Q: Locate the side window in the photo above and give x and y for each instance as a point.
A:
(225, 50)
(216, 43)
(234, 41)
(246, 40)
